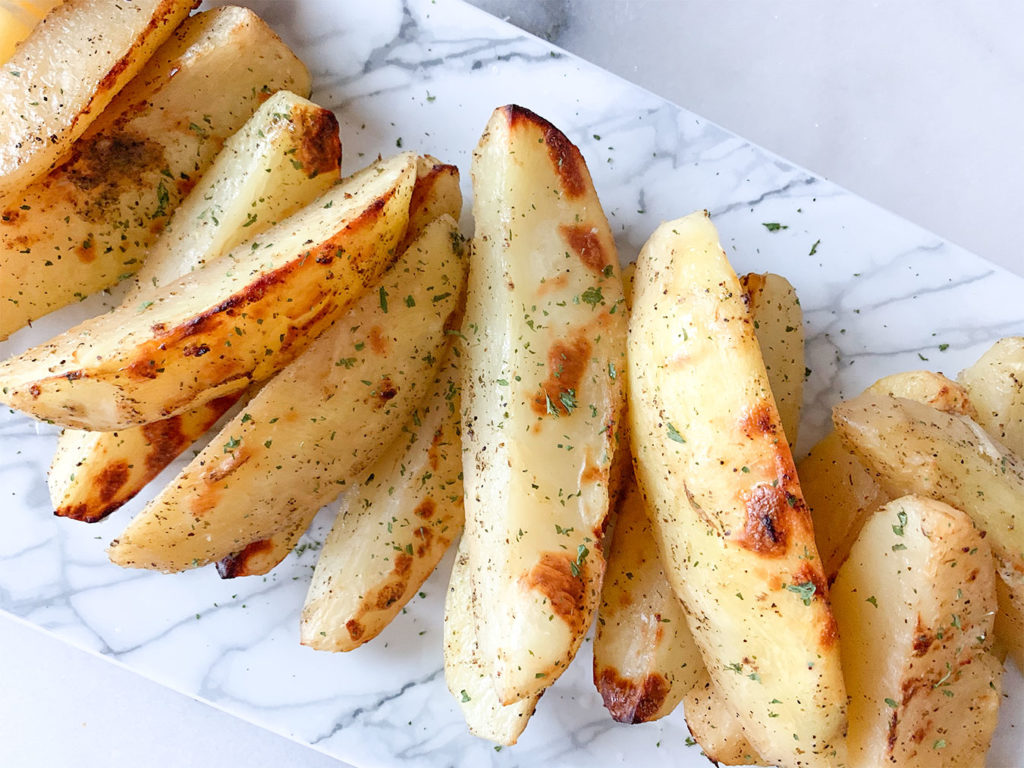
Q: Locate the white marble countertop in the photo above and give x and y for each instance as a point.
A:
(916, 108)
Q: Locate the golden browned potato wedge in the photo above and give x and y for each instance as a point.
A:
(88, 223)
(645, 658)
(250, 186)
(638, 672)
(238, 319)
(436, 193)
(66, 72)
(317, 426)
(916, 449)
(722, 491)
(840, 491)
(996, 387)
(392, 528)
(467, 671)
(541, 394)
(712, 725)
(779, 328)
(17, 20)
(914, 602)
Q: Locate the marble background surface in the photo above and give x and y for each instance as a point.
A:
(69, 707)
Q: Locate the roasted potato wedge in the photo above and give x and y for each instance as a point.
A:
(914, 602)
(392, 528)
(913, 448)
(722, 491)
(996, 387)
(466, 670)
(840, 491)
(317, 426)
(645, 658)
(251, 185)
(66, 72)
(436, 193)
(88, 223)
(779, 328)
(237, 319)
(545, 343)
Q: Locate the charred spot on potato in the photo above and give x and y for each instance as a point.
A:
(567, 362)
(553, 577)
(761, 420)
(355, 629)
(320, 150)
(107, 166)
(378, 341)
(766, 530)
(922, 638)
(425, 509)
(111, 479)
(586, 244)
(425, 536)
(629, 701)
(241, 563)
(389, 594)
(386, 391)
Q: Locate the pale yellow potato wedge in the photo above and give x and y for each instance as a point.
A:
(645, 658)
(66, 72)
(913, 448)
(722, 491)
(436, 193)
(315, 428)
(392, 528)
(467, 672)
(840, 491)
(251, 186)
(88, 223)
(545, 343)
(238, 319)
(915, 603)
(635, 670)
(17, 20)
(779, 328)
(996, 387)
(717, 730)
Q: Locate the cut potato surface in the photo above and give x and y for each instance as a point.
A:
(315, 428)
(251, 186)
(435, 194)
(915, 603)
(996, 387)
(88, 223)
(238, 319)
(66, 71)
(392, 528)
(720, 484)
(840, 491)
(545, 343)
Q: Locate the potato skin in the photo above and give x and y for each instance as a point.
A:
(271, 468)
(252, 184)
(238, 319)
(719, 481)
(88, 223)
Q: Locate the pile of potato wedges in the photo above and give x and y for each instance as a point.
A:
(606, 447)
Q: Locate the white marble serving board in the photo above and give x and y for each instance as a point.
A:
(879, 295)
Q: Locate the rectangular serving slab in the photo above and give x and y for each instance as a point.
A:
(880, 295)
